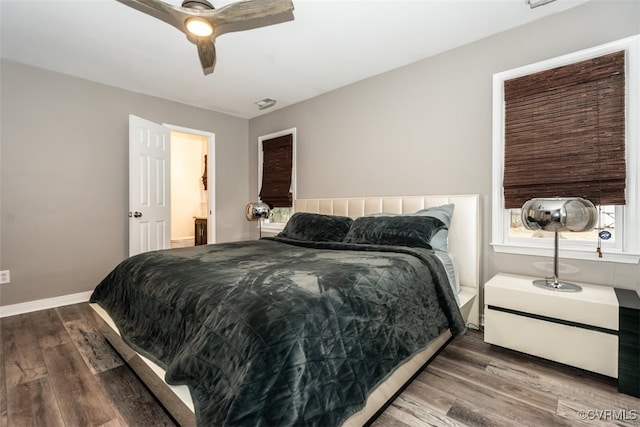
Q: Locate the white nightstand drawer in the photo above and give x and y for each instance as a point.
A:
(594, 305)
(587, 349)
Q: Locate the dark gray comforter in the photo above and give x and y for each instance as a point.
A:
(276, 332)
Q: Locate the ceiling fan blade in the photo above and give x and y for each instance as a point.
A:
(166, 12)
(207, 54)
(248, 10)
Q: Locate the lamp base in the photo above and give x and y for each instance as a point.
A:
(556, 285)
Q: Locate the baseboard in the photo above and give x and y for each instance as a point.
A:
(43, 304)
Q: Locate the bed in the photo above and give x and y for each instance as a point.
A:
(320, 325)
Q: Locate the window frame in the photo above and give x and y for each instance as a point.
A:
(626, 248)
(267, 225)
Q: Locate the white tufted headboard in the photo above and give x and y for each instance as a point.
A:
(464, 232)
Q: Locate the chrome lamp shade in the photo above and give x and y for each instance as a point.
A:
(558, 214)
(257, 210)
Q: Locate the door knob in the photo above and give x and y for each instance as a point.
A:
(137, 214)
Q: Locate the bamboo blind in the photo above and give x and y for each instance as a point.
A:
(565, 133)
(277, 163)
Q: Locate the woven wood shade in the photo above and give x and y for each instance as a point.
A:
(277, 162)
(565, 134)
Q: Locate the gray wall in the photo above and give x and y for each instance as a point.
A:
(426, 128)
(64, 178)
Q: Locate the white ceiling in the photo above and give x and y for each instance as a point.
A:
(329, 44)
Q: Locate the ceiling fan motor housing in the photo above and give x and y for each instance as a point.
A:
(198, 4)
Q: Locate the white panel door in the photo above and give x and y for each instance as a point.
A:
(149, 186)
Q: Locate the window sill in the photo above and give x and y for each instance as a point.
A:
(272, 228)
(590, 255)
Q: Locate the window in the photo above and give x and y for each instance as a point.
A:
(619, 208)
(277, 177)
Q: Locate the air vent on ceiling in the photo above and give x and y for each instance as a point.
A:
(536, 3)
(265, 103)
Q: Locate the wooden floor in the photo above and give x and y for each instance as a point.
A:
(57, 370)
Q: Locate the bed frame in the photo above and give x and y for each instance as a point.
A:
(464, 244)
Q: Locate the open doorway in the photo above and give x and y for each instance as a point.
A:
(192, 188)
(150, 187)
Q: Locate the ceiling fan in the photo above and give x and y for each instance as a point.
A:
(202, 23)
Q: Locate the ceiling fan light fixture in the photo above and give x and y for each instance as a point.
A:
(199, 27)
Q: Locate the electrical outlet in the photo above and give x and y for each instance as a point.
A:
(5, 277)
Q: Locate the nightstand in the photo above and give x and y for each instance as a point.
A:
(596, 329)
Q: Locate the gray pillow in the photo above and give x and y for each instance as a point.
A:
(444, 213)
(402, 230)
(313, 227)
(440, 240)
